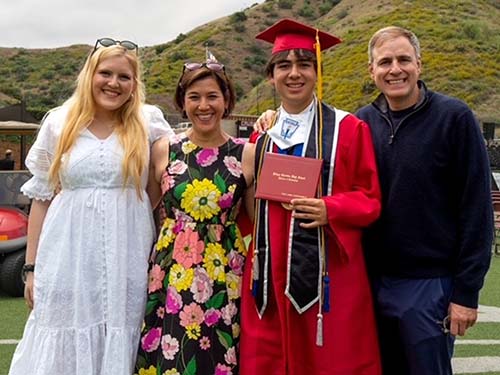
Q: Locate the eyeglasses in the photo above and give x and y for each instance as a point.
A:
(213, 66)
(108, 42)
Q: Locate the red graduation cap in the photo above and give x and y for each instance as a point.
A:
(288, 34)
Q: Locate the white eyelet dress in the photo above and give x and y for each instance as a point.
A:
(91, 265)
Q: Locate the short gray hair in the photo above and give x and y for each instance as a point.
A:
(392, 32)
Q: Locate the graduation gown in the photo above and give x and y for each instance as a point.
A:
(284, 341)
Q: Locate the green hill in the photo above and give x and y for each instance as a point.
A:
(460, 50)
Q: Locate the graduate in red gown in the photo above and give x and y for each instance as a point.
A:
(306, 302)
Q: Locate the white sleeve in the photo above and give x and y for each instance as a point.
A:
(40, 156)
(157, 125)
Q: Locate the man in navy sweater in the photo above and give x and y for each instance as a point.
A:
(430, 250)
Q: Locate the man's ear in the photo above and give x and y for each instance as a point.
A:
(370, 69)
(419, 65)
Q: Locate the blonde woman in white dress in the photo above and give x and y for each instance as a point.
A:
(91, 226)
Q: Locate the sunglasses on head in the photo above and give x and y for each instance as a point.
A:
(108, 42)
(214, 66)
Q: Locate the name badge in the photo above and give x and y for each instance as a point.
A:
(288, 127)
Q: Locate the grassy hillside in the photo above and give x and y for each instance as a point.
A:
(460, 43)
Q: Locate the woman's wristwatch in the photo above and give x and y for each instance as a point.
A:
(27, 268)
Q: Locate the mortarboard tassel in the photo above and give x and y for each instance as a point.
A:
(319, 84)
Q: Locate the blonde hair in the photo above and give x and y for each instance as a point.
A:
(131, 130)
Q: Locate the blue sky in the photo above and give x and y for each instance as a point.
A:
(60, 23)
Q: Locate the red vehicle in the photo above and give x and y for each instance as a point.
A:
(13, 235)
(14, 209)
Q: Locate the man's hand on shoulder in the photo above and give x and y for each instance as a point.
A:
(264, 121)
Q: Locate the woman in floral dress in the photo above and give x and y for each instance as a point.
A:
(192, 315)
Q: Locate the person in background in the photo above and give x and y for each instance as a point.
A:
(7, 163)
(90, 226)
(310, 310)
(430, 250)
(192, 322)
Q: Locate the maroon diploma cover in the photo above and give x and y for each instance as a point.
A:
(284, 177)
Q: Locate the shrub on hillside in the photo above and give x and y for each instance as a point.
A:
(343, 14)
(307, 12)
(286, 4)
(255, 81)
(324, 9)
(238, 17)
(180, 38)
(50, 74)
(179, 55)
(239, 27)
(238, 90)
(267, 8)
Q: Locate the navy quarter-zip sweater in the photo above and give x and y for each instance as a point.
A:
(437, 215)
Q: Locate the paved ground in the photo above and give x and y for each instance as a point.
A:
(479, 364)
(489, 314)
(475, 365)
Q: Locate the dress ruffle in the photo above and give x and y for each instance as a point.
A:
(76, 351)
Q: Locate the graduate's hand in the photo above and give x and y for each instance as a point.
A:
(461, 318)
(311, 210)
(264, 121)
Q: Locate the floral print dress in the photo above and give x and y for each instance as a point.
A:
(192, 315)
